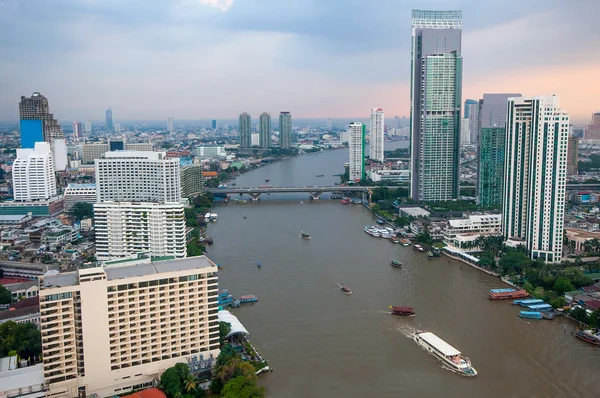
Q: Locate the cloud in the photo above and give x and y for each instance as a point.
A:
(222, 5)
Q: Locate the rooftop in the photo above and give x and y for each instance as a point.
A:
(81, 186)
(440, 344)
(415, 211)
(21, 378)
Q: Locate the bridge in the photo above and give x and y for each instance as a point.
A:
(315, 191)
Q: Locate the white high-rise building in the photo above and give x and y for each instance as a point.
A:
(255, 139)
(535, 173)
(110, 330)
(170, 124)
(138, 176)
(126, 228)
(88, 127)
(79, 193)
(357, 151)
(33, 173)
(465, 131)
(377, 127)
(117, 127)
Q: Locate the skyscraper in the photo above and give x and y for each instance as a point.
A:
(285, 130)
(33, 173)
(329, 124)
(37, 124)
(573, 156)
(356, 143)
(492, 139)
(88, 127)
(436, 91)
(535, 172)
(170, 124)
(265, 130)
(468, 108)
(109, 122)
(472, 115)
(214, 124)
(376, 132)
(77, 130)
(245, 128)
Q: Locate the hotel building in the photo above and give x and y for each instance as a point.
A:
(33, 173)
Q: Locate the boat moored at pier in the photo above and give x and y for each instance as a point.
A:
(444, 352)
(530, 315)
(517, 294)
(588, 336)
(405, 242)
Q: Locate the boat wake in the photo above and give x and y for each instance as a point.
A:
(406, 330)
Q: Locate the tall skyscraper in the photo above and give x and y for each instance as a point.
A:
(214, 124)
(592, 132)
(245, 128)
(109, 121)
(88, 127)
(356, 143)
(492, 139)
(376, 132)
(264, 130)
(573, 156)
(472, 115)
(465, 132)
(33, 173)
(77, 131)
(329, 124)
(535, 172)
(468, 108)
(117, 127)
(436, 91)
(170, 124)
(37, 124)
(285, 130)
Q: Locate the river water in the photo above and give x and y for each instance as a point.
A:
(322, 343)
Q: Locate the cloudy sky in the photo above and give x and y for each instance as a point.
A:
(199, 59)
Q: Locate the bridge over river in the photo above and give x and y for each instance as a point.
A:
(314, 191)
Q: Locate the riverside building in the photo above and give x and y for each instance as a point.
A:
(109, 330)
(285, 130)
(356, 145)
(376, 133)
(245, 126)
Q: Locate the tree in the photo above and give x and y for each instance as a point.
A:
(190, 383)
(224, 330)
(212, 183)
(594, 319)
(24, 338)
(563, 285)
(177, 380)
(579, 314)
(558, 302)
(170, 383)
(5, 295)
(82, 210)
(513, 263)
(242, 387)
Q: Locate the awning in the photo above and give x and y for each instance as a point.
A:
(236, 325)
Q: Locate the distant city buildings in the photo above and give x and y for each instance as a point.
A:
(535, 175)
(465, 132)
(329, 124)
(435, 104)
(117, 127)
(37, 124)
(491, 144)
(170, 124)
(264, 130)
(472, 115)
(376, 134)
(206, 152)
(33, 173)
(93, 151)
(572, 156)
(592, 132)
(88, 127)
(214, 124)
(77, 131)
(356, 164)
(245, 129)
(109, 119)
(285, 130)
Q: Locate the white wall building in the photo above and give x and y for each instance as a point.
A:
(465, 132)
(126, 228)
(138, 176)
(376, 133)
(474, 226)
(79, 193)
(33, 173)
(254, 139)
(210, 152)
(535, 172)
(88, 127)
(170, 124)
(389, 175)
(109, 330)
(357, 151)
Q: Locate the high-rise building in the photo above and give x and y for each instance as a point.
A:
(465, 132)
(535, 173)
(356, 143)
(114, 329)
(77, 131)
(492, 139)
(214, 124)
(88, 127)
(264, 130)
(33, 173)
(79, 193)
(109, 121)
(285, 130)
(37, 124)
(376, 132)
(572, 156)
(592, 132)
(329, 124)
(93, 151)
(192, 181)
(126, 228)
(117, 127)
(468, 108)
(170, 124)
(436, 91)
(472, 115)
(137, 176)
(245, 127)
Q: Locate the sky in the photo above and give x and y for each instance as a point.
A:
(211, 59)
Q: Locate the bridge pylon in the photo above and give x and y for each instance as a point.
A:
(254, 196)
(315, 195)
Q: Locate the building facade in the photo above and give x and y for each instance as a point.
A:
(110, 330)
(376, 133)
(170, 124)
(37, 124)
(127, 228)
(77, 130)
(592, 132)
(245, 128)
(356, 145)
(79, 193)
(138, 176)
(192, 181)
(436, 95)
(33, 173)
(285, 130)
(472, 115)
(572, 156)
(264, 130)
(109, 120)
(535, 172)
(88, 127)
(205, 152)
(93, 151)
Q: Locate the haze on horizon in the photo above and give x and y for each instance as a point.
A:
(205, 59)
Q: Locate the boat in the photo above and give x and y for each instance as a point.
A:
(437, 252)
(430, 255)
(321, 175)
(304, 235)
(540, 307)
(530, 314)
(356, 201)
(528, 302)
(267, 180)
(549, 315)
(225, 299)
(258, 264)
(248, 299)
(402, 311)
(345, 201)
(219, 266)
(380, 221)
(373, 231)
(394, 240)
(444, 352)
(510, 289)
(588, 335)
(418, 248)
(404, 242)
(509, 295)
(346, 289)
(396, 263)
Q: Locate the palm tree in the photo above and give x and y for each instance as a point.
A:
(190, 383)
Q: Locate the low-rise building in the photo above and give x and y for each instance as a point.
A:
(210, 152)
(462, 230)
(21, 382)
(389, 175)
(79, 193)
(37, 208)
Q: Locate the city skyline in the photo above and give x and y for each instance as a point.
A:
(304, 51)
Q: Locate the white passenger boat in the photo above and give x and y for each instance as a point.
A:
(372, 231)
(444, 352)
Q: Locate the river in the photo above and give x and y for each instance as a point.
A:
(322, 343)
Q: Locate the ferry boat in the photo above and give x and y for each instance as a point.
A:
(304, 235)
(528, 302)
(517, 294)
(372, 231)
(267, 180)
(248, 299)
(345, 201)
(404, 242)
(510, 289)
(402, 311)
(530, 314)
(394, 240)
(380, 221)
(418, 248)
(396, 263)
(588, 336)
(444, 352)
(430, 255)
(346, 289)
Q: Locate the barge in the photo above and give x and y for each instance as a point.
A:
(517, 294)
(445, 353)
(248, 299)
(530, 315)
(402, 311)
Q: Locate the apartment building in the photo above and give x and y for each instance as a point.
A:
(33, 173)
(79, 193)
(91, 152)
(192, 181)
(110, 330)
(473, 226)
(138, 176)
(356, 147)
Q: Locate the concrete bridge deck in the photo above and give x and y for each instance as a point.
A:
(314, 191)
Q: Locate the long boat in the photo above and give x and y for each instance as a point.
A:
(396, 263)
(528, 302)
(510, 289)
(509, 295)
(248, 299)
(445, 353)
(402, 311)
(530, 314)
(418, 248)
(588, 336)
